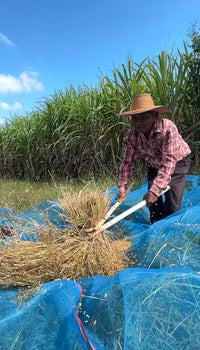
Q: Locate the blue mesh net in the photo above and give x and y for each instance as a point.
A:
(153, 305)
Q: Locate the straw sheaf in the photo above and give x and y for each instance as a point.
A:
(144, 103)
(85, 208)
(69, 253)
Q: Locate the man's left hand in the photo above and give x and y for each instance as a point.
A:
(150, 198)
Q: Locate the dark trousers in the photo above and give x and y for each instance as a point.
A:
(173, 197)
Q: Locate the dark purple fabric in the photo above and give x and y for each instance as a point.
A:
(173, 197)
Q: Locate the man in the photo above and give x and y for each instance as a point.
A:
(167, 156)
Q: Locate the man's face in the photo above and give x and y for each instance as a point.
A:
(143, 122)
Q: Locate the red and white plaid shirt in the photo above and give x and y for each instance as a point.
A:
(163, 149)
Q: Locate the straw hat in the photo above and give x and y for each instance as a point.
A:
(144, 103)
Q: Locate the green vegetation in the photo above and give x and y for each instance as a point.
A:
(21, 195)
(75, 134)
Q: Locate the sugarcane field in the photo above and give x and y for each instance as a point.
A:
(99, 183)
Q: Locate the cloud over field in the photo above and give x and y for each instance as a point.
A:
(26, 82)
(8, 107)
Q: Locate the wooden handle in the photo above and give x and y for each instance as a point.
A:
(114, 207)
(123, 215)
(128, 212)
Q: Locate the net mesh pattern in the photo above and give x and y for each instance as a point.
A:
(153, 305)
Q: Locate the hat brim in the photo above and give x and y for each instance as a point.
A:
(158, 109)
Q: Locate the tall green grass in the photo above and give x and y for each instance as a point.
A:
(75, 133)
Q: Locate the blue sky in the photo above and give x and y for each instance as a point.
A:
(47, 45)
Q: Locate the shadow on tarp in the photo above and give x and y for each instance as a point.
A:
(154, 305)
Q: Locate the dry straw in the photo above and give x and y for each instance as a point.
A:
(86, 208)
(71, 253)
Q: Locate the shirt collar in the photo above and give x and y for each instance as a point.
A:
(157, 127)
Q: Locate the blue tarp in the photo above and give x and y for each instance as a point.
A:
(154, 305)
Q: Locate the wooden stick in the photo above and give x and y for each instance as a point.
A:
(126, 213)
(113, 208)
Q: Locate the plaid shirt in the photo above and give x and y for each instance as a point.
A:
(163, 149)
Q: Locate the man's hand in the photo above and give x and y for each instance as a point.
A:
(150, 198)
(121, 196)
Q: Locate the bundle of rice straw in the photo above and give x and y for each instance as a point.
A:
(86, 208)
(69, 253)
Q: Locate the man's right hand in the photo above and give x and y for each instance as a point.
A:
(121, 196)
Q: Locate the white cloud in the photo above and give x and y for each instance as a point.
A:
(8, 107)
(10, 84)
(5, 40)
(27, 82)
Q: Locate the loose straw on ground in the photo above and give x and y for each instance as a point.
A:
(69, 253)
